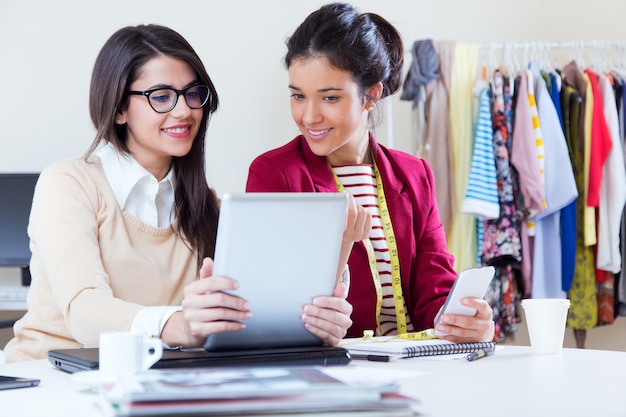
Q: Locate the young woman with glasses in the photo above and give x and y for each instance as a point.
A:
(341, 63)
(120, 237)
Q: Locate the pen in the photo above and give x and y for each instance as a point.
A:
(480, 353)
(372, 358)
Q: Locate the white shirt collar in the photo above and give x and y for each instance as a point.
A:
(137, 190)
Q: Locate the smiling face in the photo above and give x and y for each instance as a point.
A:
(330, 110)
(154, 138)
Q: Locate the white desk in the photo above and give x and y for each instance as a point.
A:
(511, 383)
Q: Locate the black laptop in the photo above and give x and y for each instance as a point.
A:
(86, 359)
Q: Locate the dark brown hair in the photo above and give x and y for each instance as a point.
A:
(117, 66)
(364, 44)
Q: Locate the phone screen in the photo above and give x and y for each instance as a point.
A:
(10, 382)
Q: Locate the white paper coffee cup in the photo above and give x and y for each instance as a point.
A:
(546, 319)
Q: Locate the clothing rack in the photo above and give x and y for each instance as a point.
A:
(539, 45)
(603, 54)
(606, 52)
(513, 58)
(601, 43)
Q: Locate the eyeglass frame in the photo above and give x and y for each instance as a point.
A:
(183, 92)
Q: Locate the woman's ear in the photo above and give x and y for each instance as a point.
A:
(375, 92)
(373, 95)
(120, 119)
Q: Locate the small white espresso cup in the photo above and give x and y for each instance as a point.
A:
(546, 319)
(123, 353)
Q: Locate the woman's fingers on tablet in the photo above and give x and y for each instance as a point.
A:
(206, 328)
(329, 332)
(215, 319)
(207, 268)
(208, 309)
(211, 284)
(328, 318)
(215, 300)
(358, 222)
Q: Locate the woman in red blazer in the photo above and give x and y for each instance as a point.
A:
(341, 64)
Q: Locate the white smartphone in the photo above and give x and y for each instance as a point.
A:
(471, 282)
(10, 382)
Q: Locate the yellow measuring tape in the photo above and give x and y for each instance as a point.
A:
(368, 336)
(396, 281)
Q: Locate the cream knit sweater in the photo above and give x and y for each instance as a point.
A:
(93, 266)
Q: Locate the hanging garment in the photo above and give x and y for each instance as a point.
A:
(525, 266)
(481, 195)
(539, 141)
(583, 311)
(525, 152)
(600, 142)
(621, 281)
(575, 78)
(461, 236)
(612, 200)
(501, 242)
(424, 68)
(570, 240)
(524, 160)
(568, 213)
(437, 137)
(606, 299)
(504, 302)
(555, 94)
(612, 188)
(600, 145)
(560, 191)
(589, 219)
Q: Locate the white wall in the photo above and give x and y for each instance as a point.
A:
(47, 49)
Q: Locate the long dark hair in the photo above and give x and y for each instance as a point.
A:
(364, 44)
(116, 68)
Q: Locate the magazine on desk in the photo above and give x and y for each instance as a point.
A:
(397, 348)
(246, 391)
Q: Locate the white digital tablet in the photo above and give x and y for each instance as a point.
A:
(283, 249)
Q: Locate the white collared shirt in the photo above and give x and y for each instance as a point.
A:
(136, 190)
(139, 193)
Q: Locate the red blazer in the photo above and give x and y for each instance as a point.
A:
(426, 266)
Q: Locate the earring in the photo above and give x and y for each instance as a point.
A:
(119, 122)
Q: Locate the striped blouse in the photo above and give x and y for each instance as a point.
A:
(360, 182)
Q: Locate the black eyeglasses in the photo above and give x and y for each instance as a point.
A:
(163, 100)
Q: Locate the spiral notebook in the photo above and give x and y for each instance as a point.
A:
(400, 348)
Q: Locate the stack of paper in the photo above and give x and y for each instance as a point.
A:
(249, 391)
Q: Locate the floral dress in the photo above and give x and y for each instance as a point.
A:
(501, 245)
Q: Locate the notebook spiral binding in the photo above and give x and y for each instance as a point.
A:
(447, 349)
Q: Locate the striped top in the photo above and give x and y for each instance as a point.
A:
(360, 182)
(481, 196)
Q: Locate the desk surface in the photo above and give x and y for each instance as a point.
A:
(513, 382)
